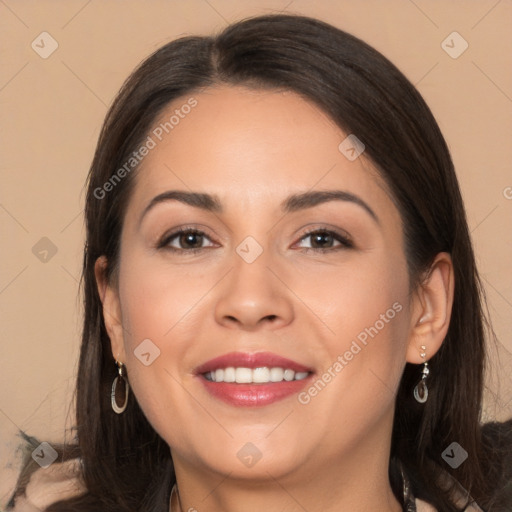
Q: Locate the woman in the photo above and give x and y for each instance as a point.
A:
(282, 309)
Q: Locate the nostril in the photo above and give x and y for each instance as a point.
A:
(270, 318)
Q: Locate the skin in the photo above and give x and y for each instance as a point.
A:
(252, 149)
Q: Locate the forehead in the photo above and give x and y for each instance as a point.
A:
(250, 146)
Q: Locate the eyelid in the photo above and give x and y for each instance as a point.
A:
(164, 240)
(341, 236)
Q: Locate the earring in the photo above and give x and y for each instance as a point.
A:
(421, 390)
(121, 369)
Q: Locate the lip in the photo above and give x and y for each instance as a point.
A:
(252, 395)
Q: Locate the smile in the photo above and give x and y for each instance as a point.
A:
(258, 379)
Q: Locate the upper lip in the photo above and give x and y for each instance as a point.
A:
(251, 360)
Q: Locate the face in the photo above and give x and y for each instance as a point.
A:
(303, 295)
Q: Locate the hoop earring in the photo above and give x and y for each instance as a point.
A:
(421, 389)
(121, 369)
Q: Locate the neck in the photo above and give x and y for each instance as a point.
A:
(273, 496)
(355, 482)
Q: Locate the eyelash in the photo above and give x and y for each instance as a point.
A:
(345, 242)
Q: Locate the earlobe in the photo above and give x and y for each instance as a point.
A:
(112, 318)
(431, 310)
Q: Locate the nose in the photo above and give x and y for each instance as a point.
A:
(253, 297)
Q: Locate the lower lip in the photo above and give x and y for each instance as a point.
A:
(253, 395)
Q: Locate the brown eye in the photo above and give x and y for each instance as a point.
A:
(184, 240)
(322, 240)
(190, 240)
(325, 240)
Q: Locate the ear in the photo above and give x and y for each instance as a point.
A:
(431, 310)
(109, 296)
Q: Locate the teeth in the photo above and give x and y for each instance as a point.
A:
(229, 375)
(289, 375)
(242, 376)
(276, 374)
(260, 375)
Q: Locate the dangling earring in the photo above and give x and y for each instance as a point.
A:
(121, 370)
(421, 390)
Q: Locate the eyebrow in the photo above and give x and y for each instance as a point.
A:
(305, 200)
(293, 203)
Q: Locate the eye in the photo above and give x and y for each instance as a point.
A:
(325, 240)
(192, 240)
(184, 239)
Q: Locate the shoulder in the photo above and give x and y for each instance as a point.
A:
(423, 506)
(47, 485)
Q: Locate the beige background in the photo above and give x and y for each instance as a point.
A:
(52, 110)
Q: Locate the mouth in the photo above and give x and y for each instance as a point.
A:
(243, 379)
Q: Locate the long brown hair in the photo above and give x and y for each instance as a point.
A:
(126, 465)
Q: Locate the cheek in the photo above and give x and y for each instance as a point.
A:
(162, 303)
(365, 295)
(366, 311)
(161, 311)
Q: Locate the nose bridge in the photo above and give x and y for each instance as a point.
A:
(251, 267)
(251, 293)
